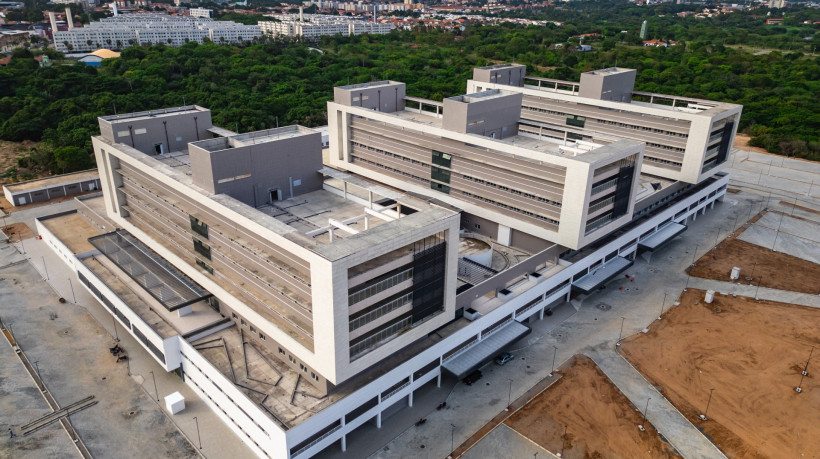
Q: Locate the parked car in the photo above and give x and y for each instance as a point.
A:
(472, 377)
(503, 358)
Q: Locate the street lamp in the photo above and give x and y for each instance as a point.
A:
(703, 416)
(155, 384)
(554, 352)
(662, 305)
(452, 437)
(620, 334)
(509, 396)
(805, 371)
(563, 441)
(197, 432)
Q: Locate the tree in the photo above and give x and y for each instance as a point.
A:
(71, 159)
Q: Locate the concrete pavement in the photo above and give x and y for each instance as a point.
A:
(680, 433)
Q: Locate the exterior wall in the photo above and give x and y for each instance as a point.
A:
(397, 384)
(507, 74)
(249, 172)
(44, 194)
(172, 129)
(479, 225)
(610, 84)
(495, 117)
(383, 96)
(320, 353)
(676, 139)
(399, 152)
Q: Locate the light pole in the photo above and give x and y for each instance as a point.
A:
(72, 291)
(717, 236)
(36, 367)
(155, 384)
(694, 255)
(563, 440)
(452, 437)
(806, 368)
(662, 305)
(45, 269)
(646, 408)
(509, 396)
(554, 353)
(703, 416)
(620, 334)
(197, 432)
(758, 287)
(116, 335)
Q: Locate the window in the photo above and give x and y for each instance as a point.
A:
(313, 375)
(262, 337)
(199, 227)
(242, 321)
(442, 175)
(281, 351)
(202, 249)
(233, 314)
(575, 120)
(302, 367)
(442, 159)
(205, 266)
(292, 360)
(440, 187)
(252, 329)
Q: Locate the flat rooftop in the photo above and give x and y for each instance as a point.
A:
(72, 230)
(251, 138)
(299, 223)
(161, 113)
(372, 84)
(54, 181)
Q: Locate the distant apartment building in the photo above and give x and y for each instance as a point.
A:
(308, 295)
(358, 6)
(201, 13)
(137, 29)
(317, 25)
(686, 139)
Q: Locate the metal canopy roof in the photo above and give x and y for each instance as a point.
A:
(170, 287)
(662, 236)
(602, 275)
(482, 351)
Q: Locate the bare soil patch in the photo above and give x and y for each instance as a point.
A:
(742, 142)
(771, 269)
(600, 421)
(18, 231)
(751, 352)
(9, 152)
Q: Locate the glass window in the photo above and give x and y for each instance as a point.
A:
(199, 227)
(442, 175)
(442, 159)
(202, 249)
(205, 266)
(440, 187)
(575, 120)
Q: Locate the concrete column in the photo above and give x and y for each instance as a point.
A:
(370, 198)
(379, 420)
(344, 188)
(344, 443)
(712, 205)
(438, 379)
(410, 399)
(541, 314)
(694, 216)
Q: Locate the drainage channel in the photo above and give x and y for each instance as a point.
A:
(55, 407)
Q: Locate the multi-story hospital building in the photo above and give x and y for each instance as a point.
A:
(305, 292)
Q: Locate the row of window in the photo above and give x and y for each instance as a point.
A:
(579, 121)
(511, 190)
(379, 336)
(388, 168)
(302, 366)
(603, 186)
(662, 161)
(214, 384)
(509, 207)
(392, 155)
(381, 311)
(380, 286)
(643, 128)
(596, 223)
(600, 204)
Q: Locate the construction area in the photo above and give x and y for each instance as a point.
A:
(752, 353)
(598, 419)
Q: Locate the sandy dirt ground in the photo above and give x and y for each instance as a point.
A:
(752, 353)
(9, 152)
(600, 421)
(17, 231)
(771, 269)
(742, 142)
